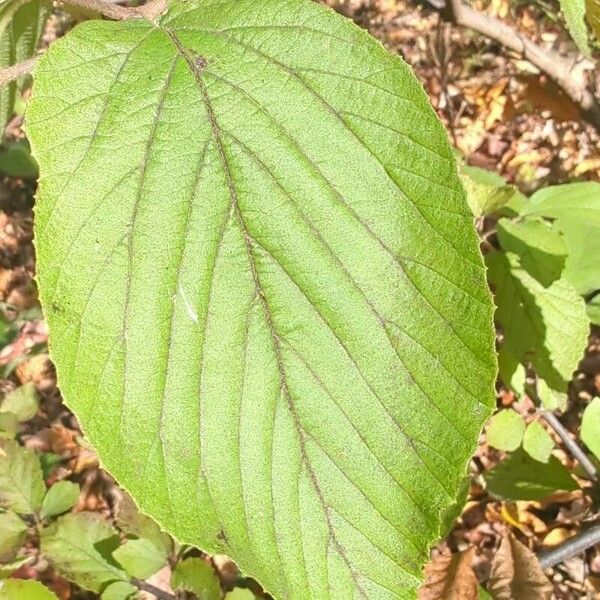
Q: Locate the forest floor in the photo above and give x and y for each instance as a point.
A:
(504, 116)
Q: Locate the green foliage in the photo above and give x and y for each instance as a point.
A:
(60, 498)
(21, 589)
(505, 430)
(195, 575)
(23, 402)
(520, 477)
(16, 160)
(294, 280)
(21, 24)
(12, 535)
(486, 191)
(590, 427)
(80, 545)
(140, 558)
(120, 590)
(21, 485)
(240, 594)
(537, 442)
(574, 12)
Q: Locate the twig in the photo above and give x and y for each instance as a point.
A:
(586, 464)
(578, 543)
(15, 71)
(556, 66)
(151, 589)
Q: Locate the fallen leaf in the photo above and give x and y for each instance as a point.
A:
(516, 574)
(450, 577)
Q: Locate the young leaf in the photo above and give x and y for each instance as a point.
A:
(25, 589)
(80, 545)
(516, 574)
(21, 485)
(23, 402)
(140, 558)
(505, 430)
(450, 576)
(12, 535)
(21, 25)
(520, 477)
(590, 427)
(133, 522)
(60, 498)
(486, 191)
(574, 13)
(540, 248)
(551, 399)
(271, 206)
(196, 576)
(537, 442)
(120, 590)
(16, 160)
(547, 326)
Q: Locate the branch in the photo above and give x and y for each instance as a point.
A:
(586, 464)
(556, 66)
(578, 543)
(15, 71)
(151, 589)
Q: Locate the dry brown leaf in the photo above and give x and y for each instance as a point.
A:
(516, 573)
(450, 577)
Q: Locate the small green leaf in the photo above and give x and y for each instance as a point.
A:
(541, 249)
(574, 13)
(537, 442)
(132, 521)
(483, 593)
(240, 594)
(24, 402)
(590, 427)
(196, 576)
(120, 590)
(9, 425)
(12, 535)
(21, 485)
(49, 462)
(16, 160)
(25, 589)
(547, 326)
(551, 399)
(505, 430)
(486, 191)
(60, 498)
(80, 546)
(520, 477)
(140, 558)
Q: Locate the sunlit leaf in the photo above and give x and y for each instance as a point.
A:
(265, 299)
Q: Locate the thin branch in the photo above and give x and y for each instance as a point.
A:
(556, 66)
(586, 464)
(151, 589)
(578, 543)
(13, 72)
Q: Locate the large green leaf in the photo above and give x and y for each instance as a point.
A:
(546, 326)
(21, 24)
(263, 287)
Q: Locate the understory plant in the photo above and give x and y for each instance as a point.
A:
(266, 300)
